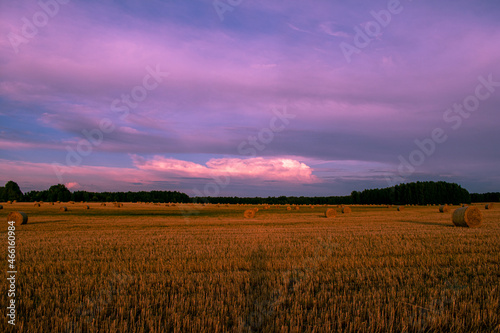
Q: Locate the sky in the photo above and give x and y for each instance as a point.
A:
(249, 98)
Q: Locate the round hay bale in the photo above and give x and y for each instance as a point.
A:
(71, 202)
(297, 207)
(488, 206)
(330, 212)
(15, 201)
(249, 213)
(86, 207)
(400, 208)
(37, 205)
(465, 205)
(288, 208)
(444, 209)
(470, 217)
(63, 209)
(18, 217)
(52, 204)
(346, 210)
(9, 202)
(103, 204)
(312, 207)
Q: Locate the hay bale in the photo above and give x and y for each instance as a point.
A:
(86, 207)
(103, 204)
(9, 202)
(297, 207)
(470, 217)
(52, 204)
(346, 210)
(18, 217)
(400, 208)
(330, 212)
(488, 206)
(118, 204)
(312, 207)
(1, 207)
(465, 205)
(288, 208)
(37, 205)
(249, 213)
(63, 209)
(444, 209)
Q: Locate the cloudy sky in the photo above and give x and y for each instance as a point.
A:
(248, 97)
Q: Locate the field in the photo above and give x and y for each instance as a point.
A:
(189, 268)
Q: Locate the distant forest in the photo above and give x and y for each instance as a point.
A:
(12, 192)
(419, 193)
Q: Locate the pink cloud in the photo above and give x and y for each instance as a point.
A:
(280, 169)
(72, 185)
(19, 145)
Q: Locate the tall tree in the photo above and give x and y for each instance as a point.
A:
(12, 191)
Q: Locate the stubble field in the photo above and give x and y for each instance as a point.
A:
(189, 268)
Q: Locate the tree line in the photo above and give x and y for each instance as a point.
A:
(418, 193)
(485, 197)
(60, 192)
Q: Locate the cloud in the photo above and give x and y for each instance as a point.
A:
(332, 29)
(72, 185)
(293, 27)
(275, 169)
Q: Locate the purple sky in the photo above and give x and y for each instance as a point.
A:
(276, 98)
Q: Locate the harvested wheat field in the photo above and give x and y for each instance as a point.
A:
(195, 268)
